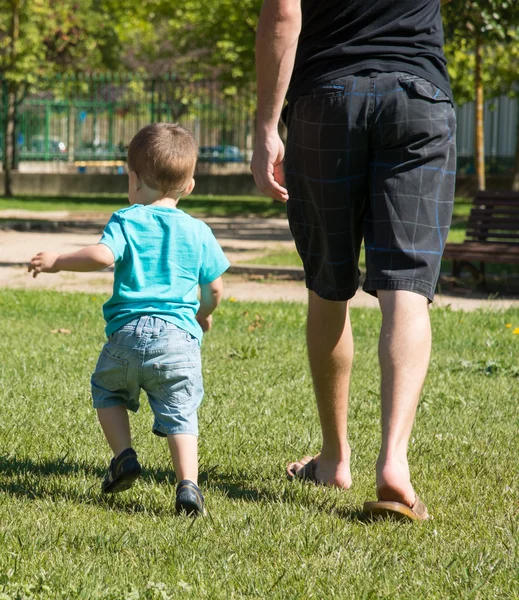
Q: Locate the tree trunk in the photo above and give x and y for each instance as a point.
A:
(480, 141)
(14, 136)
(515, 181)
(9, 138)
(10, 121)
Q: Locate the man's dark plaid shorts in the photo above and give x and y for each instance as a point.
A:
(371, 156)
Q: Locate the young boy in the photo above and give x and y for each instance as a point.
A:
(154, 320)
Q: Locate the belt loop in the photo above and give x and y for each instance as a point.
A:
(157, 327)
(140, 326)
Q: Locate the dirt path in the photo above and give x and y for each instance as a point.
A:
(241, 238)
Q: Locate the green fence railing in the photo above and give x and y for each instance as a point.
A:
(94, 117)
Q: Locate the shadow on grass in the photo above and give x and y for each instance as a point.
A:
(235, 487)
(239, 487)
(27, 468)
(39, 488)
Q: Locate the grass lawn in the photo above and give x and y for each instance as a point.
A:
(210, 206)
(265, 537)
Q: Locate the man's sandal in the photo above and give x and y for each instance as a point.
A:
(397, 510)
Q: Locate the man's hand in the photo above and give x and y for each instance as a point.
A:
(43, 262)
(276, 44)
(205, 322)
(267, 166)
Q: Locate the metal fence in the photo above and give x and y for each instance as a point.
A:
(501, 125)
(93, 118)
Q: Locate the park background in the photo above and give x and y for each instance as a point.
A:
(77, 80)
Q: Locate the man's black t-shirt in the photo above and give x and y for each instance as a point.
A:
(343, 37)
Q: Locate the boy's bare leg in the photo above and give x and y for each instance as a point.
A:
(404, 352)
(330, 352)
(116, 427)
(184, 453)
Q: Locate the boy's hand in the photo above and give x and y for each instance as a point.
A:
(205, 322)
(44, 262)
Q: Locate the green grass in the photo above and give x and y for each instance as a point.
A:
(265, 537)
(211, 206)
(281, 257)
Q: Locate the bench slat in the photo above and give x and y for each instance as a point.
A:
(506, 202)
(491, 217)
(491, 248)
(482, 253)
(478, 236)
(493, 225)
(483, 257)
(496, 195)
(511, 208)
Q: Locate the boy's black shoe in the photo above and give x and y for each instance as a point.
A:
(190, 500)
(122, 472)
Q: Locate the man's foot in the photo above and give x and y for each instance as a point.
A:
(396, 496)
(394, 483)
(321, 471)
(189, 500)
(122, 472)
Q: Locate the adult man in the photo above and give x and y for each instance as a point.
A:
(370, 155)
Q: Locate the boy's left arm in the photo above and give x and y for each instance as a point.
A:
(210, 297)
(91, 258)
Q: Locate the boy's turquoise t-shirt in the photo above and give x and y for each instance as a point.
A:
(161, 256)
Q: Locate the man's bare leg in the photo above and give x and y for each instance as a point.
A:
(330, 352)
(404, 352)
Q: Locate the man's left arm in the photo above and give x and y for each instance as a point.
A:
(276, 44)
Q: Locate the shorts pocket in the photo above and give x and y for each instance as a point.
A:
(327, 90)
(111, 372)
(176, 380)
(418, 87)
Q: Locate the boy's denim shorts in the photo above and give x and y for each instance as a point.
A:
(160, 358)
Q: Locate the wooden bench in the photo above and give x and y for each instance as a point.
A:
(492, 234)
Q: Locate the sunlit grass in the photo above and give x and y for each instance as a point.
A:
(265, 537)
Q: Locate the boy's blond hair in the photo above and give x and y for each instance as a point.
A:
(164, 156)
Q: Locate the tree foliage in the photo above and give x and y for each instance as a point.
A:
(195, 37)
(55, 36)
(482, 35)
(493, 24)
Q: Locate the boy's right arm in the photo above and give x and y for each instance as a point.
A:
(210, 298)
(91, 258)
